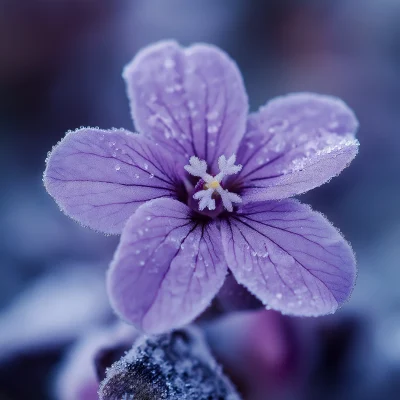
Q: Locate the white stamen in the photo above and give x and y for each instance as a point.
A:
(227, 167)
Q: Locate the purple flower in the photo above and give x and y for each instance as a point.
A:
(204, 188)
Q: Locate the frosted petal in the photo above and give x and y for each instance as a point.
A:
(192, 101)
(293, 144)
(290, 257)
(167, 268)
(100, 178)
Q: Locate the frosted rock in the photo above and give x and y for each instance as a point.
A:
(172, 366)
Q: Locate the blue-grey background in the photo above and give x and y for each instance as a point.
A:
(60, 68)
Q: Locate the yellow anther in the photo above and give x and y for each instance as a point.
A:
(213, 185)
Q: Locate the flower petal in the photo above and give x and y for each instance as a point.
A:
(290, 257)
(293, 144)
(167, 267)
(100, 178)
(192, 101)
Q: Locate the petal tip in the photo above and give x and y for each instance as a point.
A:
(143, 53)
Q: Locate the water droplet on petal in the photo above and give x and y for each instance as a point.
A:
(169, 63)
(212, 115)
(212, 129)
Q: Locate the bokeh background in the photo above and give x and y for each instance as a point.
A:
(60, 68)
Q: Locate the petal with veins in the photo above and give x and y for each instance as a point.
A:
(192, 101)
(290, 257)
(293, 144)
(167, 268)
(100, 178)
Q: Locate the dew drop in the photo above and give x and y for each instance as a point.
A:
(117, 167)
(167, 134)
(199, 272)
(169, 63)
(212, 129)
(333, 125)
(212, 115)
(250, 145)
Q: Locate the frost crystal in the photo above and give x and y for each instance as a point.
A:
(172, 366)
(212, 185)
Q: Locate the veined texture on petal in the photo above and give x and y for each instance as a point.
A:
(99, 178)
(290, 257)
(192, 101)
(293, 144)
(167, 268)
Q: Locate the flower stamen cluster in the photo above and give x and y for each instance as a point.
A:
(212, 184)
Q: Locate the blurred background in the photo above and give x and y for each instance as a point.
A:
(60, 68)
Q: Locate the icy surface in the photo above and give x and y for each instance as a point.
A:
(177, 365)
